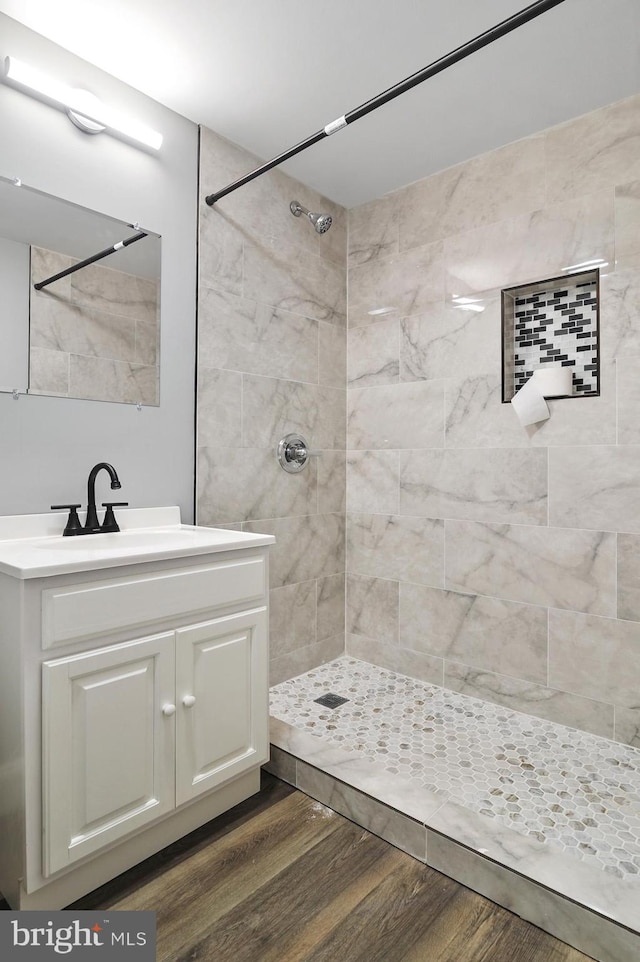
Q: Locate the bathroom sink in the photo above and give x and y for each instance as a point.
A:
(159, 538)
(32, 546)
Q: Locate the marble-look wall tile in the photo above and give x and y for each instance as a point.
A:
(397, 547)
(475, 485)
(96, 287)
(447, 341)
(261, 209)
(627, 207)
(530, 247)
(272, 322)
(627, 726)
(557, 706)
(46, 263)
(595, 657)
(61, 326)
(373, 354)
(407, 283)
(219, 408)
(220, 252)
(482, 632)
(331, 424)
(372, 482)
(493, 482)
(628, 579)
(555, 567)
(476, 417)
(147, 341)
(483, 190)
(103, 324)
(397, 829)
(396, 416)
(289, 279)
(292, 617)
(296, 662)
(415, 664)
(373, 231)
(239, 334)
(332, 351)
(372, 608)
(48, 371)
(620, 314)
(595, 487)
(103, 379)
(272, 408)
(114, 292)
(628, 400)
(593, 152)
(331, 602)
(332, 482)
(237, 485)
(305, 548)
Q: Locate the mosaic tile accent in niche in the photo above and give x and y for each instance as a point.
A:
(552, 322)
(571, 789)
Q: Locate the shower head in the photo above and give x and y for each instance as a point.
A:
(321, 222)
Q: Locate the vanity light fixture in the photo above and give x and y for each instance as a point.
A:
(84, 109)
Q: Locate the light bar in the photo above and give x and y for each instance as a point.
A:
(97, 115)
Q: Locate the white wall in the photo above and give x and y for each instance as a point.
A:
(14, 314)
(48, 445)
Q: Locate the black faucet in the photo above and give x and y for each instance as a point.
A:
(92, 525)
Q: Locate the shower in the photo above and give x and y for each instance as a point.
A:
(321, 222)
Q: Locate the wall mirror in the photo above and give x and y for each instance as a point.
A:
(94, 333)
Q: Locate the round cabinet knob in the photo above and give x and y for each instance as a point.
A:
(188, 701)
(168, 710)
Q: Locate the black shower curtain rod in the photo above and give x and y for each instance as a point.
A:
(90, 260)
(506, 26)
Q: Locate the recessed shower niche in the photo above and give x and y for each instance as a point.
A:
(552, 322)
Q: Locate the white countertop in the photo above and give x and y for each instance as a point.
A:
(32, 546)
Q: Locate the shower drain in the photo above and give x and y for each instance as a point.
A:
(330, 700)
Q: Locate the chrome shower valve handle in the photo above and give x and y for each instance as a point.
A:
(294, 453)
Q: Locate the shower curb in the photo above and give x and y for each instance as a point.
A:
(598, 915)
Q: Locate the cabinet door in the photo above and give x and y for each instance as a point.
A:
(222, 700)
(108, 746)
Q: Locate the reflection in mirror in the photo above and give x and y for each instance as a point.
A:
(94, 333)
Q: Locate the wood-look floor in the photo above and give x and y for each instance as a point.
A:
(281, 878)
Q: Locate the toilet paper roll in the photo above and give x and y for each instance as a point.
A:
(529, 403)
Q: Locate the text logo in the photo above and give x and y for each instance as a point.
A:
(32, 936)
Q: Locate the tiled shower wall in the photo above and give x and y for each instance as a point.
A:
(500, 561)
(94, 334)
(271, 360)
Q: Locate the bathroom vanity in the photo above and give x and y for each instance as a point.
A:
(133, 693)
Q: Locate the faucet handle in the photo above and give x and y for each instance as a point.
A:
(109, 523)
(73, 523)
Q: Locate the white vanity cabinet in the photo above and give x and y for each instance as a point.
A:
(139, 728)
(133, 708)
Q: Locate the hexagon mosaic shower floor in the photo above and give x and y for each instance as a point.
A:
(538, 778)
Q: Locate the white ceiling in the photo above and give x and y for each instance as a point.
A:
(268, 73)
